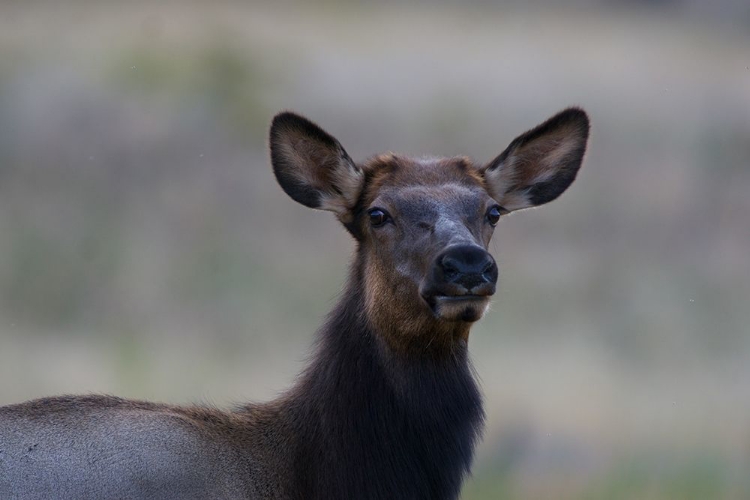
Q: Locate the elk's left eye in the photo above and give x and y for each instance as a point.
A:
(493, 215)
(378, 217)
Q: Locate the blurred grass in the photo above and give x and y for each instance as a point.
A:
(146, 250)
(697, 476)
(219, 77)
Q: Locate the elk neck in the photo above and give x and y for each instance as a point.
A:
(365, 412)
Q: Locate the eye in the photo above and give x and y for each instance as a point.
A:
(378, 217)
(493, 214)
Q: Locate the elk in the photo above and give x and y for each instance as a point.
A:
(388, 406)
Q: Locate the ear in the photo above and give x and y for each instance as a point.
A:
(312, 167)
(541, 163)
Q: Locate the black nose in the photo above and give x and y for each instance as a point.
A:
(468, 266)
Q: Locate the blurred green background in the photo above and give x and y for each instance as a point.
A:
(146, 251)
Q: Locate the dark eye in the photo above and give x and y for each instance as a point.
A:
(378, 217)
(493, 214)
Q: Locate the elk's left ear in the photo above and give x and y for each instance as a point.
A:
(541, 163)
(312, 167)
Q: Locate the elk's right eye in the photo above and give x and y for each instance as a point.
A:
(378, 217)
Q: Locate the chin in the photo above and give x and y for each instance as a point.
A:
(467, 309)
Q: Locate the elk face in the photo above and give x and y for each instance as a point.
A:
(423, 226)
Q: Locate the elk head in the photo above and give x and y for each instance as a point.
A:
(423, 225)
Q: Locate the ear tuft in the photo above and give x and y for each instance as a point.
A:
(312, 167)
(539, 165)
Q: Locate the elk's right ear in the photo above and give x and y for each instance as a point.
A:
(312, 167)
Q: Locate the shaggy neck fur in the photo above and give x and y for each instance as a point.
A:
(373, 424)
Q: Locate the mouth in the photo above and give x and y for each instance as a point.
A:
(460, 298)
(467, 308)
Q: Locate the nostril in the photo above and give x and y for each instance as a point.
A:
(450, 267)
(489, 269)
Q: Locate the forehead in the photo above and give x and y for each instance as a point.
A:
(428, 181)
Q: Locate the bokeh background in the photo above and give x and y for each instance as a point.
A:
(146, 251)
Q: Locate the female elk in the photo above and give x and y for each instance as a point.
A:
(388, 407)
